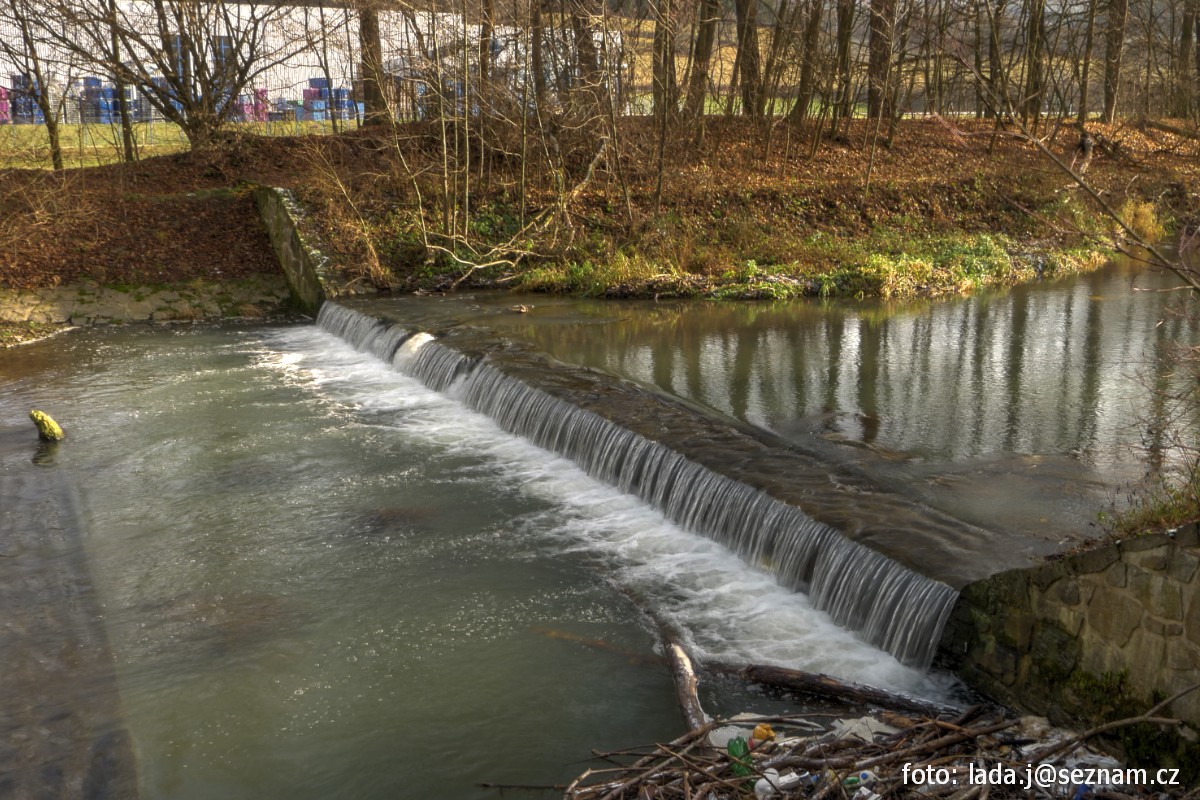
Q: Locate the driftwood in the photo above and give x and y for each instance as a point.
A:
(686, 685)
(823, 686)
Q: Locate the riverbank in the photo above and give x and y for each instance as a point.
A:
(751, 214)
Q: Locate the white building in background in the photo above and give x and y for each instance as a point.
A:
(321, 45)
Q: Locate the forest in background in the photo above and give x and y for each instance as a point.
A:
(886, 147)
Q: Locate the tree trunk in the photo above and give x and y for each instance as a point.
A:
(981, 101)
(1186, 79)
(1118, 12)
(706, 33)
(879, 58)
(748, 57)
(1085, 76)
(845, 35)
(536, 56)
(1031, 105)
(375, 107)
(486, 31)
(996, 72)
(122, 101)
(808, 66)
(666, 90)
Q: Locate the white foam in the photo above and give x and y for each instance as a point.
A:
(728, 610)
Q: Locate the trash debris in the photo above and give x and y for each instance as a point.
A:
(850, 759)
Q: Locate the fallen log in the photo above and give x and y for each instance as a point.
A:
(686, 685)
(1183, 133)
(823, 686)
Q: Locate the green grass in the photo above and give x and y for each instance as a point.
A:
(887, 264)
(89, 145)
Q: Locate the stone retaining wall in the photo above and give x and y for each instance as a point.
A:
(304, 266)
(90, 303)
(1090, 636)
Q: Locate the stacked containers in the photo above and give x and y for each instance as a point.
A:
(343, 106)
(259, 105)
(107, 106)
(25, 110)
(316, 99)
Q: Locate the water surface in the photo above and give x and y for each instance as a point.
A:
(321, 579)
(1022, 410)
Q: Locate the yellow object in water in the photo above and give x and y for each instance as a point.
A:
(48, 429)
(762, 733)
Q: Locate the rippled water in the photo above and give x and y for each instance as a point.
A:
(321, 579)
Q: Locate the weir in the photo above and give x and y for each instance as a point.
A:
(753, 496)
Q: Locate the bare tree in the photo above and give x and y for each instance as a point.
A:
(189, 60)
(41, 66)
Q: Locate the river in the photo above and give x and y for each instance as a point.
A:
(320, 578)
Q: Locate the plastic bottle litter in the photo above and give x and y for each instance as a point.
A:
(772, 783)
(739, 754)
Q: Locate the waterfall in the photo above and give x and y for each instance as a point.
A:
(890, 605)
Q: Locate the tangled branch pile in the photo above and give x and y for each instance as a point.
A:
(982, 754)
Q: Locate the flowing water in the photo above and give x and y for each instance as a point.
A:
(1021, 411)
(320, 578)
(364, 560)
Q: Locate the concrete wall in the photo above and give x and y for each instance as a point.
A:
(1087, 637)
(304, 266)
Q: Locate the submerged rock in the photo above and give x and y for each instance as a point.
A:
(48, 429)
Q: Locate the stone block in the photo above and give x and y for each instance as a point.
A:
(1144, 657)
(1167, 600)
(1054, 652)
(1151, 560)
(1113, 616)
(1182, 655)
(1160, 597)
(1065, 592)
(1087, 588)
(1182, 565)
(1069, 619)
(1017, 628)
(1097, 657)
(1046, 574)
(1161, 628)
(1191, 620)
(1139, 544)
(1092, 561)
(1117, 575)
(1188, 536)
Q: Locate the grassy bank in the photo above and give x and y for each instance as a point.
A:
(745, 213)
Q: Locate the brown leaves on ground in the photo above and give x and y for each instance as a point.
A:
(743, 188)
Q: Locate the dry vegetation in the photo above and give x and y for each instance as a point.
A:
(749, 212)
